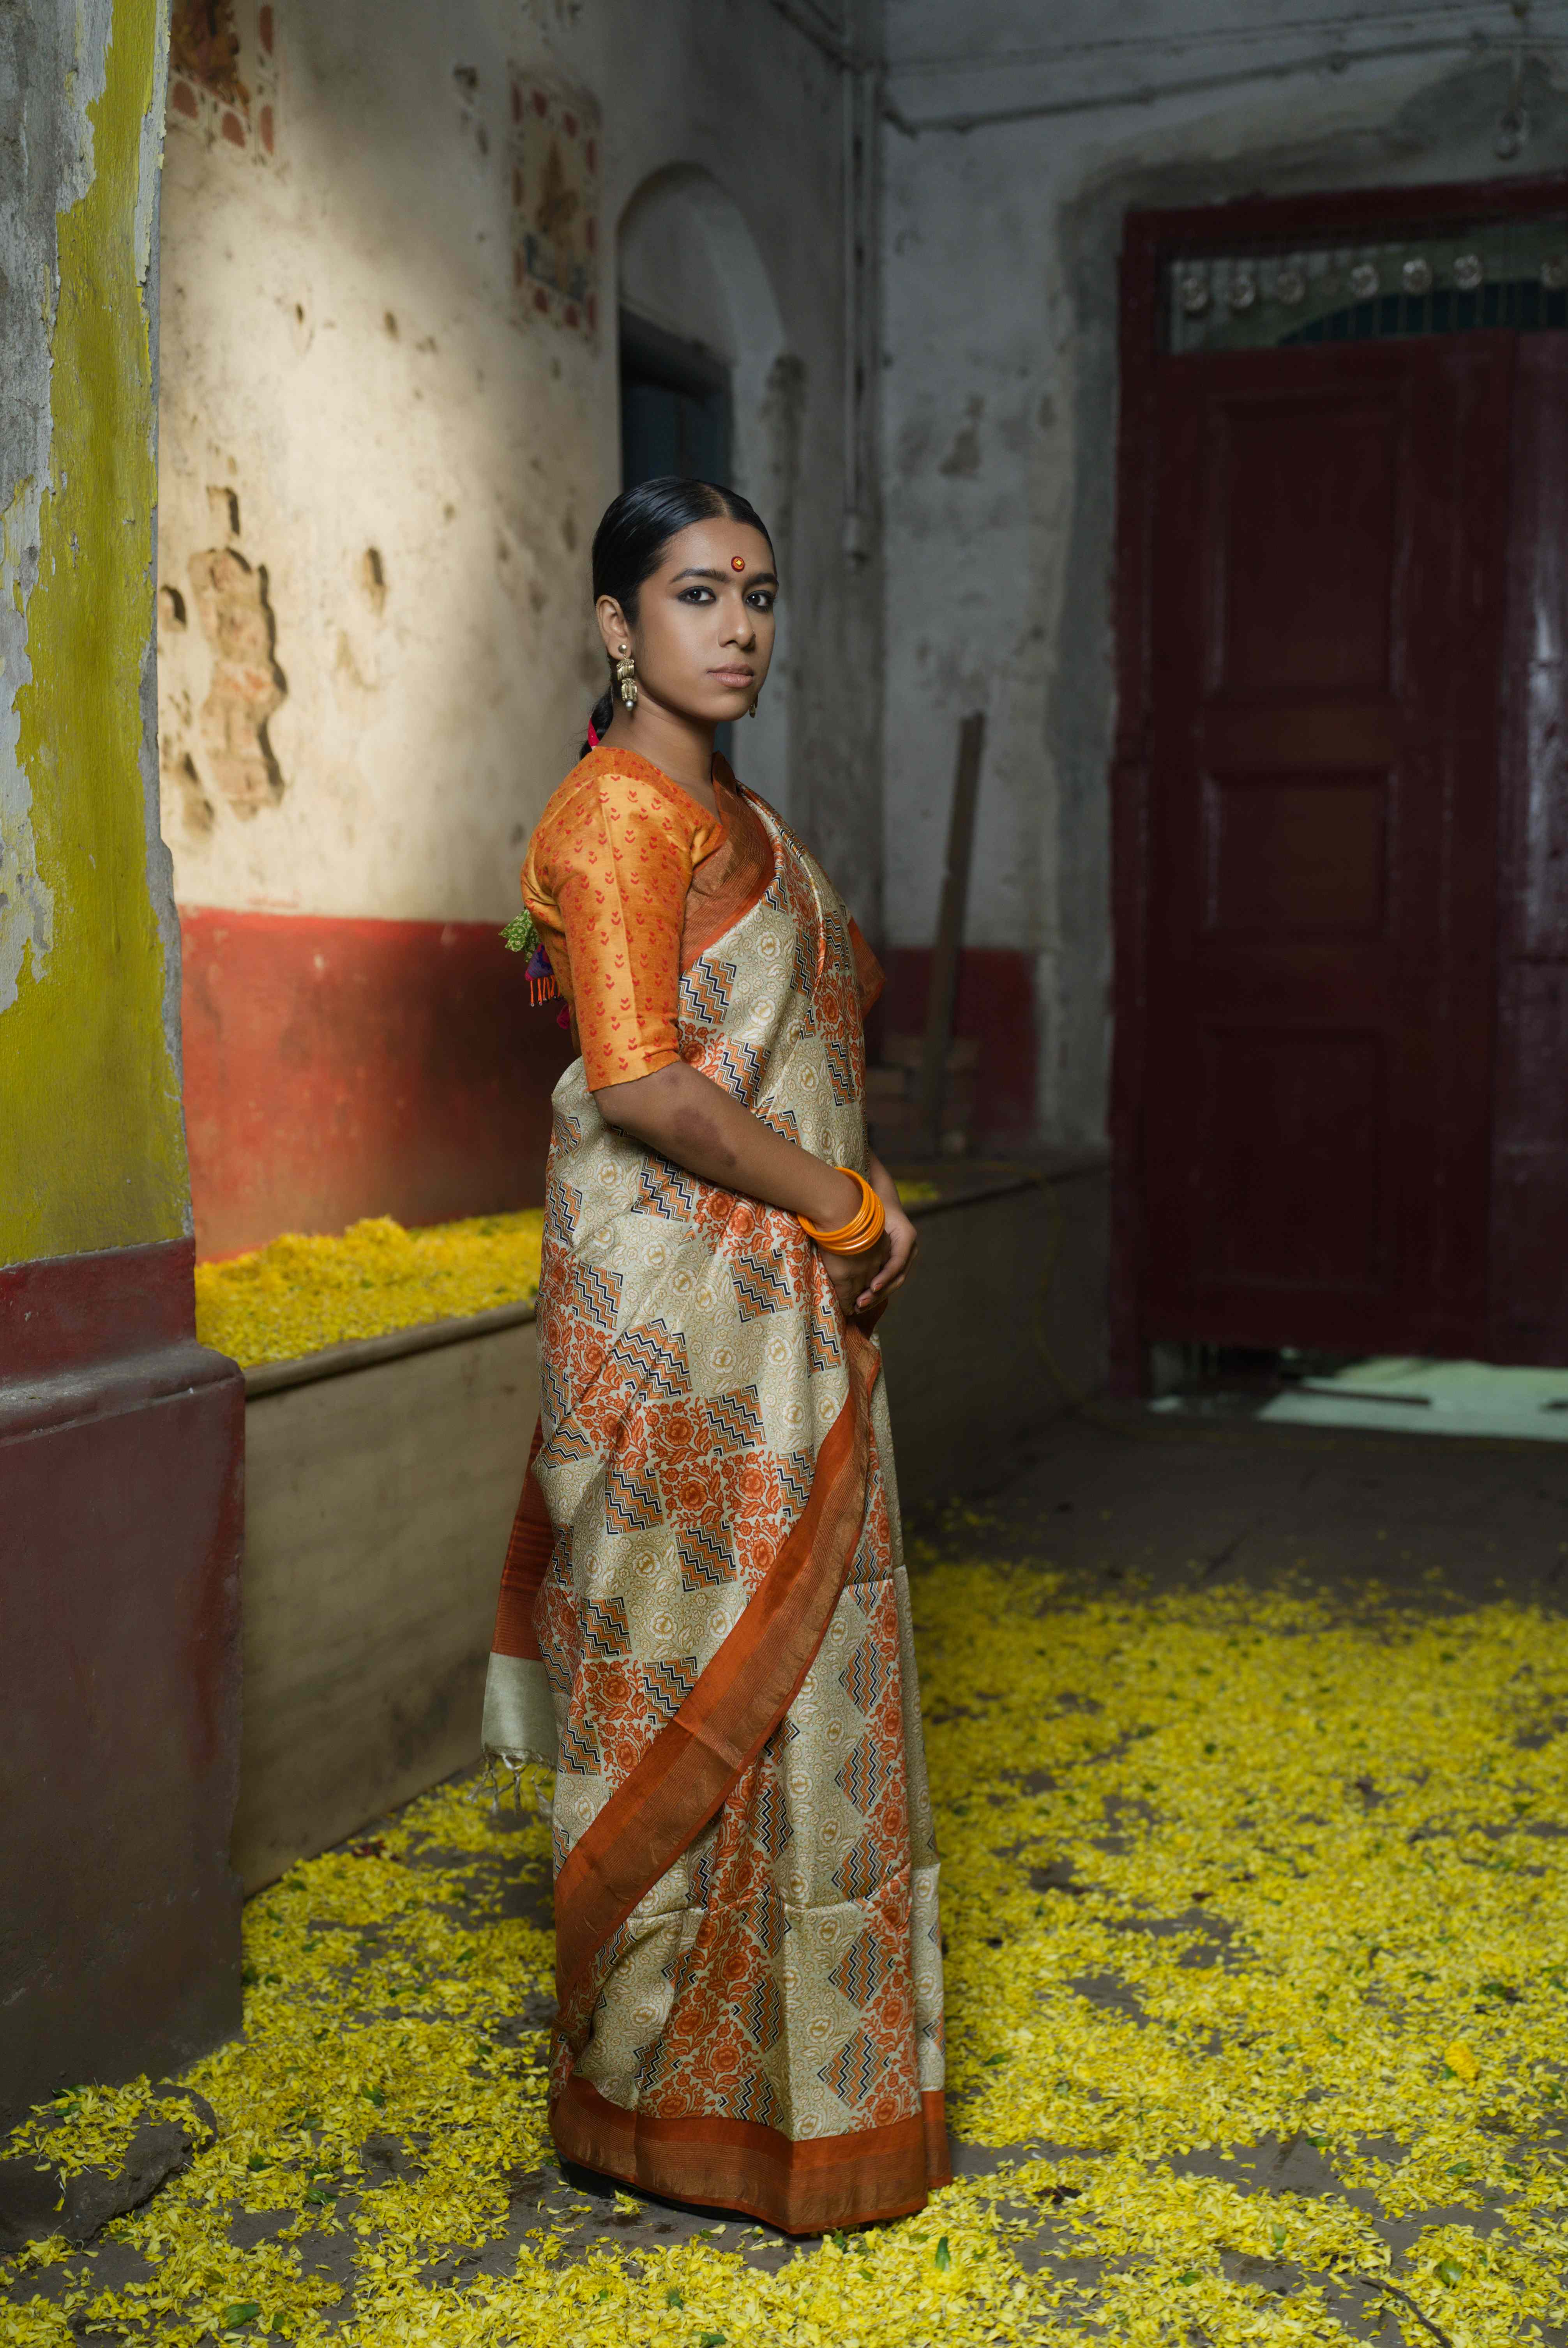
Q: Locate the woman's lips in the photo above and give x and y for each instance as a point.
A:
(732, 676)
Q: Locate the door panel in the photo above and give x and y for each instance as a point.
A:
(1529, 1189)
(1329, 533)
(1296, 855)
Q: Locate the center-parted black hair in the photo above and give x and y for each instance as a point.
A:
(634, 533)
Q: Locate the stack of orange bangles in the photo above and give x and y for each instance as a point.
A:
(861, 1233)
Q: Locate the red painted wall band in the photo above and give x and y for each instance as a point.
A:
(335, 1068)
(996, 1006)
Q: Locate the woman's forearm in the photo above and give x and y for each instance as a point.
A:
(685, 1116)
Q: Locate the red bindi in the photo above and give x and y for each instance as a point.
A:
(737, 561)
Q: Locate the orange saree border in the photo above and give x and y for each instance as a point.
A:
(811, 2187)
(739, 1700)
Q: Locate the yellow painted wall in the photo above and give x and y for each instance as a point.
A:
(92, 1150)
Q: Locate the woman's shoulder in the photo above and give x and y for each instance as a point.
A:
(614, 785)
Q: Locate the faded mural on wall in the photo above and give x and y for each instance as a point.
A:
(554, 143)
(223, 73)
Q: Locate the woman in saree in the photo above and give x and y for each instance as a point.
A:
(704, 1626)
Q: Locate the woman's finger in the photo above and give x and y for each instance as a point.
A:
(897, 1265)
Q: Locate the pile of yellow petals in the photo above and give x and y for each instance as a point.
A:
(1351, 1830)
(301, 1294)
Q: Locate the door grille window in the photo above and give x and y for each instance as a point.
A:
(1508, 274)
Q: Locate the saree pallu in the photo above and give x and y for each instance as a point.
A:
(705, 1628)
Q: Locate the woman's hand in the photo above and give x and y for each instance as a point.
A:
(850, 1275)
(684, 1116)
(893, 1267)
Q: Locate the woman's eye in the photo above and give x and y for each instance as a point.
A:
(697, 595)
(763, 600)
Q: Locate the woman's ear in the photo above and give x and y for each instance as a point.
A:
(612, 625)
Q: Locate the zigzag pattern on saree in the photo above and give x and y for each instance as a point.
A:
(669, 1683)
(855, 2069)
(578, 1752)
(705, 991)
(805, 972)
(864, 1675)
(705, 1559)
(562, 1207)
(603, 1625)
(738, 1065)
(782, 1121)
(863, 1775)
(840, 1068)
(865, 1566)
(735, 1420)
(823, 1350)
(762, 2011)
(569, 1127)
(768, 1919)
(754, 2100)
(565, 1446)
(762, 1286)
(664, 1190)
(863, 1867)
(631, 1503)
(861, 1970)
(656, 1356)
(797, 1473)
(596, 1293)
(707, 1850)
(770, 1819)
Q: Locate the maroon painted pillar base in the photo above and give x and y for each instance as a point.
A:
(121, 1491)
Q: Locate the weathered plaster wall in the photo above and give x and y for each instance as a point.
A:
(412, 478)
(379, 486)
(1000, 244)
(93, 1153)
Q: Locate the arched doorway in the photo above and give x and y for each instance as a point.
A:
(708, 388)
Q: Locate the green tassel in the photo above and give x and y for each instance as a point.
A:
(521, 936)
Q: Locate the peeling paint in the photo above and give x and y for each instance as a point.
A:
(88, 1054)
(26, 905)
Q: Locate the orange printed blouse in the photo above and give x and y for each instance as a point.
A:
(629, 880)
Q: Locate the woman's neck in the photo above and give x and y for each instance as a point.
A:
(680, 747)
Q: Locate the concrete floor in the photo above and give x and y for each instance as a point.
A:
(1113, 1499)
(1113, 1493)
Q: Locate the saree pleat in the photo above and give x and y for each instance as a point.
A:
(706, 1581)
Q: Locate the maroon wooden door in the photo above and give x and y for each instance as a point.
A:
(1326, 628)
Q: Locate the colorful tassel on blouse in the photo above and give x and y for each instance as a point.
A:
(521, 936)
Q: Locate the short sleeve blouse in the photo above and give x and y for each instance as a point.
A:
(608, 881)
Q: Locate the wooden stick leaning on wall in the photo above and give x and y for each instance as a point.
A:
(944, 989)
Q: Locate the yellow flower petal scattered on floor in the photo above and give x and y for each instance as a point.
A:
(1224, 1878)
(301, 1294)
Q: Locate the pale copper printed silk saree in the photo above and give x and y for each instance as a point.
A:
(705, 1628)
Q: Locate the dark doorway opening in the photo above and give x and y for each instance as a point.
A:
(1341, 885)
(675, 418)
(674, 406)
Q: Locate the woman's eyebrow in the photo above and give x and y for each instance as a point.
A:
(757, 579)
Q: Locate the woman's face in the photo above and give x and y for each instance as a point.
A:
(705, 631)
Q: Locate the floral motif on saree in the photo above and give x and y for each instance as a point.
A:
(704, 1626)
